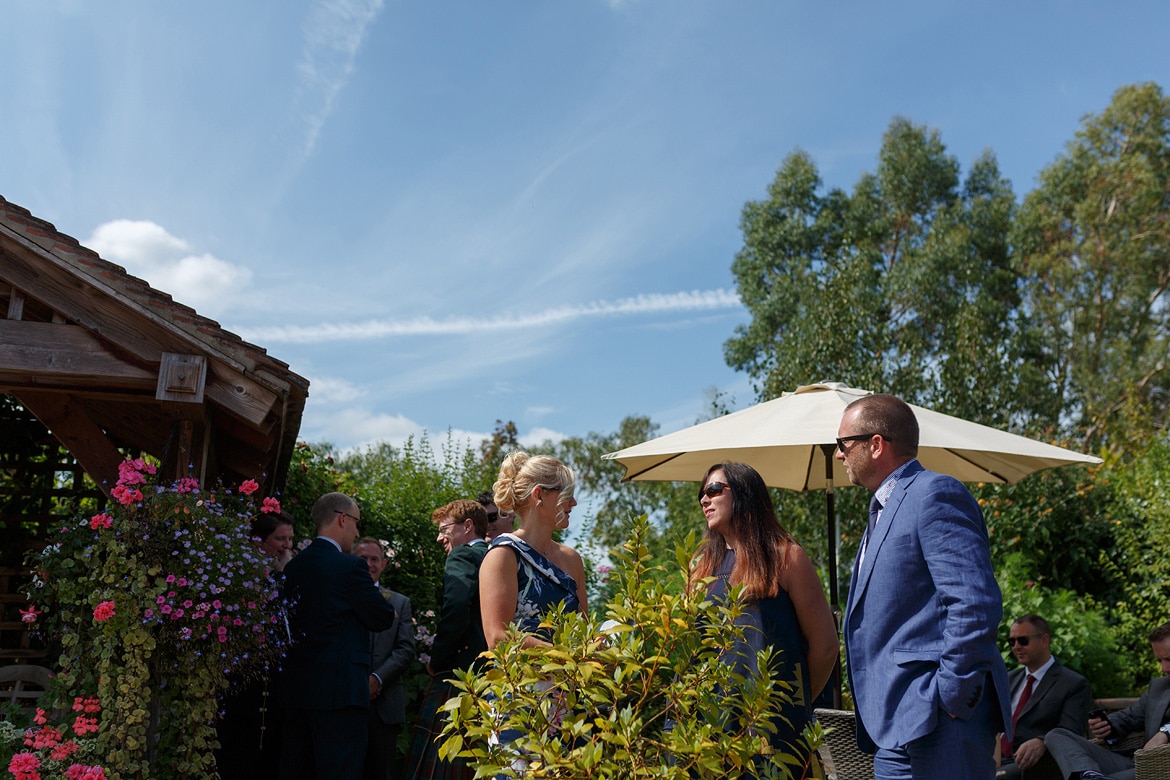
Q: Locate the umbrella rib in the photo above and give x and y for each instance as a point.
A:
(995, 474)
(655, 465)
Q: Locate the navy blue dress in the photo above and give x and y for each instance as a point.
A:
(541, 585)
(772, 622)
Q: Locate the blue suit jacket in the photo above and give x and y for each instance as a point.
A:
(333, 607)
(923, 614)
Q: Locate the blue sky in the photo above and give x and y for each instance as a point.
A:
(449, 213)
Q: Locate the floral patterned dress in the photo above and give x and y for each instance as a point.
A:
(541, 585)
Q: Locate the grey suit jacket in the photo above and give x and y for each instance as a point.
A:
(1062, 699)
(1148, 714)
(391, 653)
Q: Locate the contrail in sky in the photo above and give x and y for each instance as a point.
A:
(655, 303)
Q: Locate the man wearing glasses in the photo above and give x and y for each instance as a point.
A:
(923, 613)
(458, 635)
(497, 522)
(1045, 695)
(333, 607)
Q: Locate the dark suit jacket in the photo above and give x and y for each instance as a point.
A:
(333, 606)
(1062, 699)
(923, 614)
(1148, 714)
(392, 651)
(459, 634)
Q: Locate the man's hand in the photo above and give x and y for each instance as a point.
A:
(375, 687)
(1029, 753)
(1099, 728)
(1157, 740)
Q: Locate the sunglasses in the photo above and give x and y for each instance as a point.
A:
(714, 489)
(1022, 640)
(841, 440)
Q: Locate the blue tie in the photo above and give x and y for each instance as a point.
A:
(875, 506)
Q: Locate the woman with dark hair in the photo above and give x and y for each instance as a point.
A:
(785, 604)
(249, 730)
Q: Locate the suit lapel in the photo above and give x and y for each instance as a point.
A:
(888, 516)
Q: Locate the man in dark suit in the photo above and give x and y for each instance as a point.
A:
(458, 635)
(1045, 695)
(333, 607)
(923, 612)
(391, 652)
(1080, 759)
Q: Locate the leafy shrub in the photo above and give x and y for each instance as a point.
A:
(647, 695)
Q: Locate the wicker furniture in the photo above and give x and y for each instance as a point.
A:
(843, 760)
(1152, 764)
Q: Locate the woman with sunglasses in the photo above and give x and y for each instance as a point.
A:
(785, 607)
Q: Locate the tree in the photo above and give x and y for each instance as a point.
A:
(904, 285)
(1094, 242)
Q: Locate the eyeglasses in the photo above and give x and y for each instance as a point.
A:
(1022, 640)
(444, 526)
(356, 520)
(714, 489)
(857, 437)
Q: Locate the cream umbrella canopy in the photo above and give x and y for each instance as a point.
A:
(790, 440)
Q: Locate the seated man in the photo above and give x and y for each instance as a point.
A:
(1080, 759)
(1045, 695)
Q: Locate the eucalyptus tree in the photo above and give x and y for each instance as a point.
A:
(905, 284)
(1094, 245)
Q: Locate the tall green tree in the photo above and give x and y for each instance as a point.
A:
(1094, 244)
(904, 285)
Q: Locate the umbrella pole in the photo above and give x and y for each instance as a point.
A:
(834, 600)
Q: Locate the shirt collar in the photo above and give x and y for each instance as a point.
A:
(882, 494)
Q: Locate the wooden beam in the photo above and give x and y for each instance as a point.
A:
(66, 419)
(238, 394)
(45, 353)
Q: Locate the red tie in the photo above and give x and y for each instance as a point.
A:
(1005, 747)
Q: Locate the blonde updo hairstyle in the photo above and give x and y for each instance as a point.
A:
(520, 474)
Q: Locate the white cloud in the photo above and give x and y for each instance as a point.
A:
(655, 303)
(334, 390)
(540, 435)
(334, 32)
(202, 281)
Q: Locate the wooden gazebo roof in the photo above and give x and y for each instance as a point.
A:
(105, 361)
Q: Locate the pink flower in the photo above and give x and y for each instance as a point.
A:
(271, 505)
(249, 486)
(29, 615)
(83, 725)
(103, 611)
(187, 485)
(100, 521)
(24, 766)
(83, 772)
(65, 749)
(126, 495)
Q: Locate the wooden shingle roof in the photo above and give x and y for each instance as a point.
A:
(106, 361)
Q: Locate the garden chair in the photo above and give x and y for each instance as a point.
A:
(22, 685)
(843, 760)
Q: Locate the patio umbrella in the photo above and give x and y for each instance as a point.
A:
(790, 441)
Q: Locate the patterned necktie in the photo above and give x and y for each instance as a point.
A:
(875, 506)
(1005, 747)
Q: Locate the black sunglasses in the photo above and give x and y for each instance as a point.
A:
(1022, 640)
(493, 516)
(857, 437)
(713, 489)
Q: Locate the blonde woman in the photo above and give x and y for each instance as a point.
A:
(526, 572)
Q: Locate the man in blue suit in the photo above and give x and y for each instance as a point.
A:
(325, 692)
(923, 613)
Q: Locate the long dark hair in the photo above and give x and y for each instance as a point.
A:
(761, 541)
